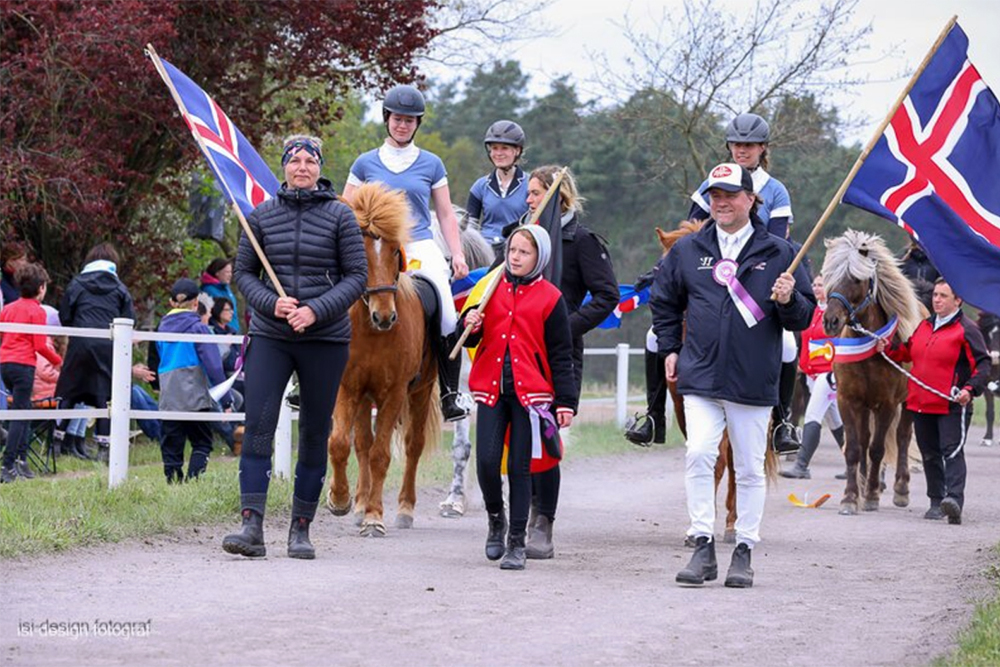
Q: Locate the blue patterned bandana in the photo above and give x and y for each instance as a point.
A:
(293, 147)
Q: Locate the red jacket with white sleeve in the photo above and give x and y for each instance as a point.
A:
(952, 356)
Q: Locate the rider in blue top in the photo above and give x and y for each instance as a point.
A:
(499, 198)
(400, 165)
(746, 140)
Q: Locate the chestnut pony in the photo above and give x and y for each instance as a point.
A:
(725, 460)
(391, 366)
(865, 288)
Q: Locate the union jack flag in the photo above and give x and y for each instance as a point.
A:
(242, 173)
(935, 171)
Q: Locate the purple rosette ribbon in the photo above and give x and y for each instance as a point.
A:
(724, 273)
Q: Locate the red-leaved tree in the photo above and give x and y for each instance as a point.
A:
(88, 131)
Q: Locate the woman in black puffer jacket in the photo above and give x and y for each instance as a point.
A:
(314, 244)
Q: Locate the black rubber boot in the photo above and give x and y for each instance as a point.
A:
(299, 545)
(703, 566)
(740, 573)
(449, 371)
(249, 541)
(810, 441)
(496, 536)
(23, 470)
(78, 448)
(515, 557)
(784, 439)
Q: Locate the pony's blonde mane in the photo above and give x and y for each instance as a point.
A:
(684, 228)
(383, 212)
(863, 256)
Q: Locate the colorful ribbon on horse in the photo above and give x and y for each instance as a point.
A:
(849, 350)
(724, 273)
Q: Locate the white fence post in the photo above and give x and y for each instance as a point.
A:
(283, 438)
(121, 400)
(621, 384)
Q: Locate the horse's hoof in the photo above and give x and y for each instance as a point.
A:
(901, 500)
(848, 508)
(338, 510)
(373, 529)
(404, 521)
(871, 505)
(359, 518)
(452, 508)
(730, 536)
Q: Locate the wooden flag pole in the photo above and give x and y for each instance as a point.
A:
(492, 286)
(151, 52)
(868, 149)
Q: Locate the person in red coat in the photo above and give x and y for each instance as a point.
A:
(17, 363)
(817, 364)
(949, 355)
(522, 379)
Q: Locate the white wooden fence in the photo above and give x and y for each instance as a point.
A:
(123, 336)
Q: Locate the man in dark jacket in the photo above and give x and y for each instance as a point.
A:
(719, 282)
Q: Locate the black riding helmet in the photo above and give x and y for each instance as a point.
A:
(505, 132)
(404, 100)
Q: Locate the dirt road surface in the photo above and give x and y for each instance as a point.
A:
(882, 588)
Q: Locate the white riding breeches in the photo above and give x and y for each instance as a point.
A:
(822, 405)
(706, 419)
(425, 259)
(789, 350)
(651, 345)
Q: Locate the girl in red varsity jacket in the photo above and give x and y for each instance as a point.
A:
(522, 378)
(949, 355)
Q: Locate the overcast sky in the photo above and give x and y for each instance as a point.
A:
(910, 25)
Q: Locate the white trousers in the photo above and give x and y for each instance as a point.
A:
(789, 350)
(822, 405)
(433, 266)
(707, 418)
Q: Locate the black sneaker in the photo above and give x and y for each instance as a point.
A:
(8, 475)
(952, 510)
(934, 513)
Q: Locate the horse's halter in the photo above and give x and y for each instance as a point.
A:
(400, 269)
(852, 311)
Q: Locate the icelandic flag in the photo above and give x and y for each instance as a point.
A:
(935, 171)
(628, 301)
(242, 173)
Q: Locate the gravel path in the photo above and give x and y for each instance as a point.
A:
(884, 588)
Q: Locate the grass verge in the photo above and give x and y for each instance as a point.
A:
(979, 644)
(75, 508)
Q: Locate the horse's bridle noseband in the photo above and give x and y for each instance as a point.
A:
(852, 312)
(378, 289)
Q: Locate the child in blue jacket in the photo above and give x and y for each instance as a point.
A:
(185, 372)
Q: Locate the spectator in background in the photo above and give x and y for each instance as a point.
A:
(17, 363)
(13, 256)
(93, 299)
(186, 371)
(215, 282)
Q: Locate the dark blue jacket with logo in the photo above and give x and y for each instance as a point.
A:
(720, 357)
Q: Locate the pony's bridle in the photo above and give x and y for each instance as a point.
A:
(401, 267)
(852, 311)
